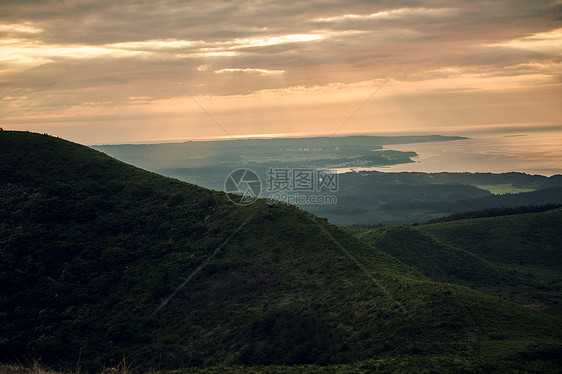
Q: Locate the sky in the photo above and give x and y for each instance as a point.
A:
(102, 71)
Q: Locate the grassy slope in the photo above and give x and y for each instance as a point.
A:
(518, 257)
(528, 239)
(528, 245)
(439, 260)
(91, 246)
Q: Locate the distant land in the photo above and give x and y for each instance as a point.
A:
(372, 197)
(363, 197)
(344, 151)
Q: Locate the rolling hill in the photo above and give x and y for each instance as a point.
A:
(517, 257)
(101, 260)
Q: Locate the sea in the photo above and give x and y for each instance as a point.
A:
(534, 152)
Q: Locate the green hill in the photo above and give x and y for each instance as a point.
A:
(517, 257)
(91, 249)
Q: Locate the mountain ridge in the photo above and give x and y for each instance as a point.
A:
(91, 247)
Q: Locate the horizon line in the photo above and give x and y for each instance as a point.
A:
(266, 137)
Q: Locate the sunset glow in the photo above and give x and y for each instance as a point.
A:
(88, 73)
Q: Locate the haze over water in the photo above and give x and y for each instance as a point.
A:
(536, 152)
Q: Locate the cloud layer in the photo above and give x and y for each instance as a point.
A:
(93, 71)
